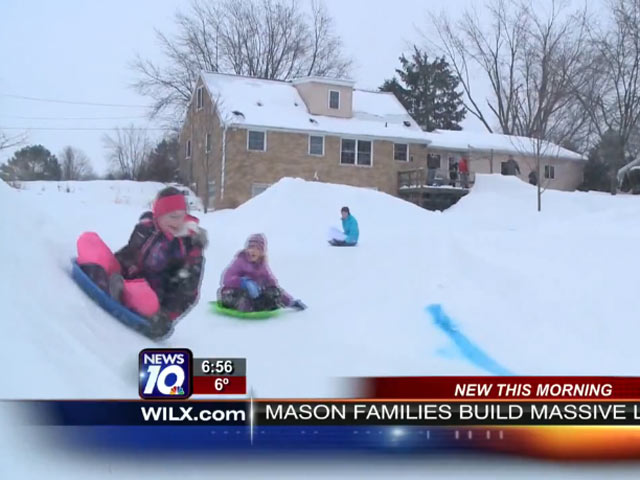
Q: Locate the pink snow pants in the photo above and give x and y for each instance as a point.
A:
(137, 294)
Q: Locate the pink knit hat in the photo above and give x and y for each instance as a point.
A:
(257, 240)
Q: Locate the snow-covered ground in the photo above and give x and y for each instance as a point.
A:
(123, 192)
(541, 293)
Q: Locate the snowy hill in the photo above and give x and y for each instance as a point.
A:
(121, 192)
(546, 293)
(549, 293)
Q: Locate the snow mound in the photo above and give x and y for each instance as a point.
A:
(303, 211)
(121, 192)
(541, 293)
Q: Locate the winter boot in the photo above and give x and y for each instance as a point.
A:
(98, 275)
(116, 286)
(161, 326)
(269, 299)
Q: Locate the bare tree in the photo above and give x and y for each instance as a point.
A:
(536, 154)
(11, 141)
(612, 97)
(75, 164)
(531, 59)
(128, 151)
(274, 39)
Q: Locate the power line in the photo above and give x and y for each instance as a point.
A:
(84, 128)
(50, 100)
(17, 117)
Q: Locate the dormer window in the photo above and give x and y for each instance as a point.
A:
(334, 99)
(199, 99)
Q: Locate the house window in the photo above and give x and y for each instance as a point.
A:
(256, 141)
(199, 99)
(316, 145)
(364, 152)
(348, 152)
(334, 99)
(433, 161)
(355, 152)
(212, 195)
(188, 152)
(207, 143)
(549, 171)
(400, 152)
(258, 188)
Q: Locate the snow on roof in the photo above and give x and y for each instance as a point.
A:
(465, 140)
(343, 82)
(277, 104)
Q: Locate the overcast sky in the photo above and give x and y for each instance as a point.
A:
(79, 51)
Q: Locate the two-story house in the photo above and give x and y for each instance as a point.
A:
(242, 134)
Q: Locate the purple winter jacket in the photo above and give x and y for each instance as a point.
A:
(258, 272)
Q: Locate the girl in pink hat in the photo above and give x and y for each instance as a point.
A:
(158, 273)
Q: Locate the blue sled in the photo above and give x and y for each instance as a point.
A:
(111, 306)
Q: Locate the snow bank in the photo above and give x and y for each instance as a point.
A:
(542, 293)
(121, 192)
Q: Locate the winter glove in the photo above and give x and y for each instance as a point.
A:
(251, 287)
(298, 305)
(200, 237)
(161, 325)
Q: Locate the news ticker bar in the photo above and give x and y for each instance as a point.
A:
(330, 413)
(500, 388)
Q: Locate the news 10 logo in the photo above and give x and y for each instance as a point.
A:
(165, 373)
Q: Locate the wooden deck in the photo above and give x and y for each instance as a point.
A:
(413, 187)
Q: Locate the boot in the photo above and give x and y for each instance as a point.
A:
(98, 275)
(116, 286)
(161, 326)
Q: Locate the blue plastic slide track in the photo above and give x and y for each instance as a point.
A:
(470, 350)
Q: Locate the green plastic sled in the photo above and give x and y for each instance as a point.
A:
(218, 308)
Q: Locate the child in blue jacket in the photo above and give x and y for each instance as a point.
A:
(350, 229)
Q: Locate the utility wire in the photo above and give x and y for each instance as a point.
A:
(50, 100)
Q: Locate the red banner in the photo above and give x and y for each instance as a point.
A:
(497, 388)
(219, 385)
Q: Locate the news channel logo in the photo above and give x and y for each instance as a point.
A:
(165, 373)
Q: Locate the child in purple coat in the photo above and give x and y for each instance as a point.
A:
(248, 285)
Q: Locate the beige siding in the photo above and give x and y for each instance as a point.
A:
(568, 173)
(316, 97)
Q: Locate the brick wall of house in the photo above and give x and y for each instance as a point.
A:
(287, 155)
(203, 167)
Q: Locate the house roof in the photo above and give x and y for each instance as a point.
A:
(341, 82)
(465, 140)
(275, 104)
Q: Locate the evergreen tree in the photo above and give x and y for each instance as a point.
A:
(31, 163)
(162, 164)
(605, 159)
(428, 90)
